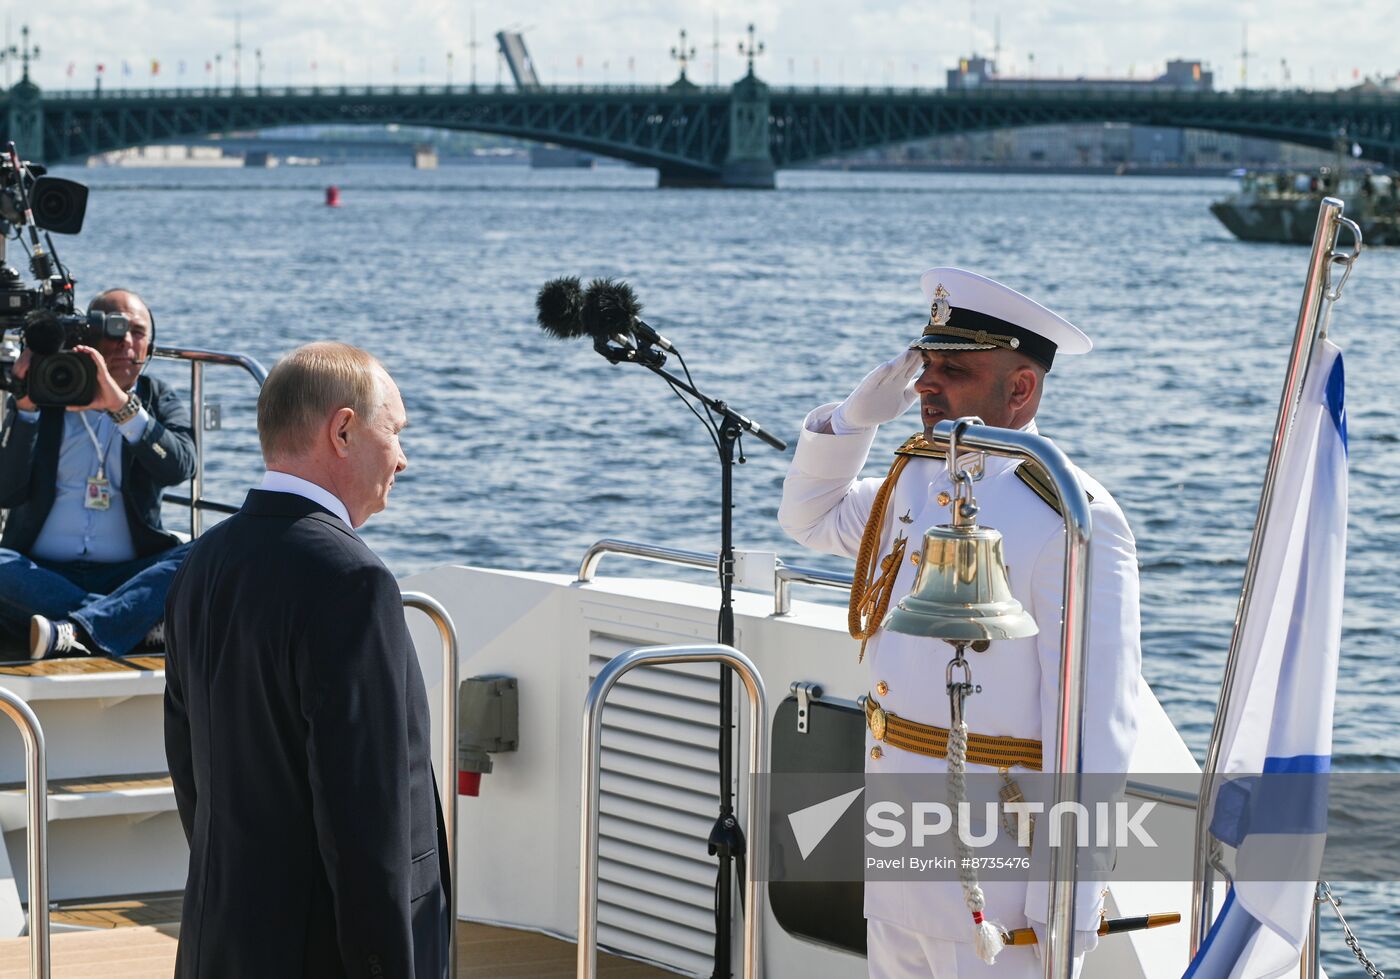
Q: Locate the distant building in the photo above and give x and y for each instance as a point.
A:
(1107, 144)
(981, 73)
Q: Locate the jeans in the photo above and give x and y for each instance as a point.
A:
(115, 604)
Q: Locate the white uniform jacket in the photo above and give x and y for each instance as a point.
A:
(825, 506)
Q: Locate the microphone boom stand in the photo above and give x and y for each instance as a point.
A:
(726, 837)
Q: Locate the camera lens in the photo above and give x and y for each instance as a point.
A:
(62, 379)
(58, 205)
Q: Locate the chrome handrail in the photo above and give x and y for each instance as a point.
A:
(1180, 798)
(447, 630)
(647, 552)
(197, 359)
(36, 789)
(1067, 757)
(1311, 964)
(785, 577)
(789, 575)
(616, 668)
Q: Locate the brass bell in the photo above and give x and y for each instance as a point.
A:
(961, 593)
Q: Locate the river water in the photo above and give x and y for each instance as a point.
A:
(523, 451)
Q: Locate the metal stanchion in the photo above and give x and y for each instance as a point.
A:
(592, 749)
(435, 611)
(36, 787)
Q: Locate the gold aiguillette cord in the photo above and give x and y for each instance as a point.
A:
(870, 595)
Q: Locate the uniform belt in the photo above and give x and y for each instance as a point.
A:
(930, 740)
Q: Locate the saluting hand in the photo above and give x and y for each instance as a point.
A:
(886, 393)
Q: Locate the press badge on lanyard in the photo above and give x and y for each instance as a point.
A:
(99, 492)
(99, 488)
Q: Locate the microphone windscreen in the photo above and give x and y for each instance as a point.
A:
(609, 307)
(559, 308)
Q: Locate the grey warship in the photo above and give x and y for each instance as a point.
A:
(1281, 206)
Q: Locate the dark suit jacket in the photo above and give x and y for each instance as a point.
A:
(162, 457)
(296, 727)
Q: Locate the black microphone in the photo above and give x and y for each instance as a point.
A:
(559, 308)
(616, 305)
(609, 314)
(559, 312)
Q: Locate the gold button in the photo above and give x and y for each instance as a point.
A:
(876, 721)
(876, 754)
(944, 499)
(882, 688)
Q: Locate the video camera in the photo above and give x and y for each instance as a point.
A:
(44, 315)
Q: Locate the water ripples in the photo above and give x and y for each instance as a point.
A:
(524, 451)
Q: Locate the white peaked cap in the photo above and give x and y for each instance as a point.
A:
(978, 313)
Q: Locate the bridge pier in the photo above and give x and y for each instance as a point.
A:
(749, 162)
(740, 175)
(25, 120)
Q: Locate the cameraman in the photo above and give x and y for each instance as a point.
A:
(84, 560)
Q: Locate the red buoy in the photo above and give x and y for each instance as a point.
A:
(332, 196)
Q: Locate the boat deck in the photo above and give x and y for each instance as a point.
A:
(135, 938)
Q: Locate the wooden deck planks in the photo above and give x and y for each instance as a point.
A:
(148, 952)
(99, 783)
(80, 665)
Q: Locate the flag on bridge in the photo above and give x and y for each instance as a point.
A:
(1271, 806)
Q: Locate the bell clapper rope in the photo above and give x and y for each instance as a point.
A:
(989, 938)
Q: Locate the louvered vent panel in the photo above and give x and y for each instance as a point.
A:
(658, 799)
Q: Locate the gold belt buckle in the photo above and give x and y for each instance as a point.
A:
(877, 723)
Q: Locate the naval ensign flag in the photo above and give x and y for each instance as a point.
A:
(1272, 802)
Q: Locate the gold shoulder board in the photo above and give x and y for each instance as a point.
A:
(1027, 472)
(917, 445)
(1039, 482)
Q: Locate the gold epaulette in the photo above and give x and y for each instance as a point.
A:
(917, 445)
(1028, 472)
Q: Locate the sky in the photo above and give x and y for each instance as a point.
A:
(1290, 43)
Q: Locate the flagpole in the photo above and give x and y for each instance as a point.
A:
(1312, 323)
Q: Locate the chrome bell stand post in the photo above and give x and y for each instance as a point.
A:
(607, 678)
(36, 790)
(1318, 296)
(1058, 957)
(447, 632)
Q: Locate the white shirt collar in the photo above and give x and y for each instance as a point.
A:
(280, 482)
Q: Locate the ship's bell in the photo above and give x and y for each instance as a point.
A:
(961, 593)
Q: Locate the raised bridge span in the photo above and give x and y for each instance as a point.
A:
(717, 136)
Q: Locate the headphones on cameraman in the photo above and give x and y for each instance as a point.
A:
(151, 316)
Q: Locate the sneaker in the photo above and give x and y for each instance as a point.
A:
(49, 639)
(155, 639)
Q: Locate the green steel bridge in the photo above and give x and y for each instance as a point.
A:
(695, 136)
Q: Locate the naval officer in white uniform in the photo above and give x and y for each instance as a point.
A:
(985, 352)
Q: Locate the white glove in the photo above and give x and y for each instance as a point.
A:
(1084, 941)
(885, 393)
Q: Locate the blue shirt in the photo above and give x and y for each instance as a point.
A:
(72, 532)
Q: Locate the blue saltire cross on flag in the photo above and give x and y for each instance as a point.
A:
(1277, 748)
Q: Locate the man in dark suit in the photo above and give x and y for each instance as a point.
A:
(296, 721)
(84, 560)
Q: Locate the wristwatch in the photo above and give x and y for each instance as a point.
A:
(127, 411)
